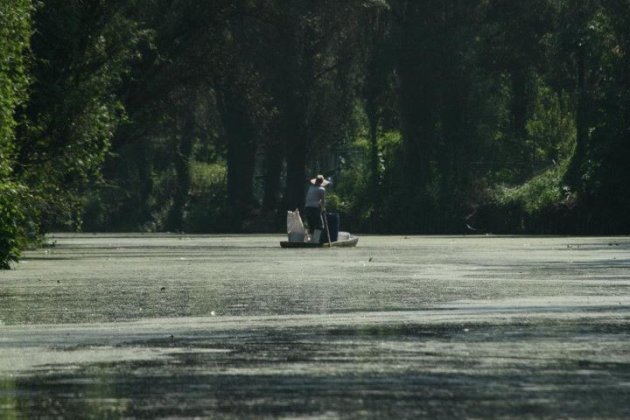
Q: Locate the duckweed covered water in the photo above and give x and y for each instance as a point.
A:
(235, 326)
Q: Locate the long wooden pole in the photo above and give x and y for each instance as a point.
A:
(327, 230)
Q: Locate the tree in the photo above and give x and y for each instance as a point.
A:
(163, 114)
(244, 106)
(81, 51)
(435, 64)
(15, 30)
(312, 83)
(376, 85)
(513, 44)
(171, 103)
(580, 41)
(598, 171)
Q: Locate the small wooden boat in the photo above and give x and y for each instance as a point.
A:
(343, 242)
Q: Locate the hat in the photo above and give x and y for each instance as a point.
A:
(320, 180)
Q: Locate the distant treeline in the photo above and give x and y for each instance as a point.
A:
(434, 116)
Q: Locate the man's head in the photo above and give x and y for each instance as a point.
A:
(320, 181)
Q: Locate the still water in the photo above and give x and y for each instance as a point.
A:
(235, 326)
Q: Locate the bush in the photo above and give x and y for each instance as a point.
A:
(362, 208)
(540, 192)
(540, 205)
(15, 30)
(207, 209)
(11, 218)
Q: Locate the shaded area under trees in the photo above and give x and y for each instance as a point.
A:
(432, 117)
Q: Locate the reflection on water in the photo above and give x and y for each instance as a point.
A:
(8, 398)
(397, 370)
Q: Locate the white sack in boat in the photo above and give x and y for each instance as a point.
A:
(295, 227)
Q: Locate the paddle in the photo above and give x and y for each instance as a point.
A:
(327, 230)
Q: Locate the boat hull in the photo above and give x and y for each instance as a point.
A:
(338, 244)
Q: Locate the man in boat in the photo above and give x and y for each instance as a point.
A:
(314, 205)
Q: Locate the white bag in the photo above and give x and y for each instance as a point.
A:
(295, 227)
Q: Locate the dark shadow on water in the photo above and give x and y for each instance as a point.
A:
(410, 395)
(373, 371)
(105, 390)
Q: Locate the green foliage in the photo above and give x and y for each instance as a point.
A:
(11, 223)
(205, 116)
(207, 208)
(551, 130)
(205, 177)
(389, 144)
(15, 30)
(536, 204)
(539, 193)
(81, 53)
(360, 203)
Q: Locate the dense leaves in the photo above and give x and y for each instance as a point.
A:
(15, 26)
(81, 51)
(432, 117)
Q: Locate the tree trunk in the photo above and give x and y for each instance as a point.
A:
(183, 149)
(581, 122)
(241, 156)
(417, 126)
(372, 115)
(296, 163)
(272, 172)
(519, 103)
